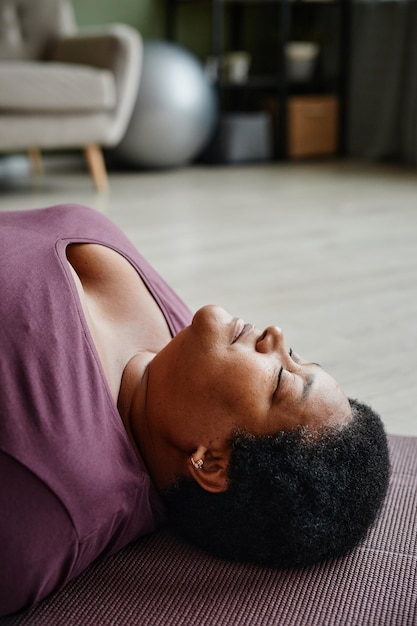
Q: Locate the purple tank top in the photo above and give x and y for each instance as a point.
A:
(70, 485)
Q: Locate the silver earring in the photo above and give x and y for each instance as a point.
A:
(196, 464)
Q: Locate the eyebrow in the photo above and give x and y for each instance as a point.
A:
(308, 383)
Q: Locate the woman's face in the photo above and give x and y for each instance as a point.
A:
(220, 374)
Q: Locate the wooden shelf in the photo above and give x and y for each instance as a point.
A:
(231, 22)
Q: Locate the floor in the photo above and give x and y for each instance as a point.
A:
(327, 250)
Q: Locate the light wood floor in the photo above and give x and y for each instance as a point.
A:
(328, 251)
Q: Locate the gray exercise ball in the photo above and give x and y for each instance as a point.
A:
(175, 111)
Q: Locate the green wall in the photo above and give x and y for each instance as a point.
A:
(148, 16)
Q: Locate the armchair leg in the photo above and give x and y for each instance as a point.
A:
(35, 158)
(97, 166)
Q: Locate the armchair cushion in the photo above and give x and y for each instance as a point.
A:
(101, 47)
(27, 26)
(39, 87)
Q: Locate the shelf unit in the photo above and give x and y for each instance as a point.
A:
(272, 24)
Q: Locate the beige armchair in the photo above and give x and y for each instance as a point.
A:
(61, 87)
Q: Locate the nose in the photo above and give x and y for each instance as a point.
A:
(271, 340)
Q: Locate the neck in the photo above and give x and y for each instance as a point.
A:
(131, 401)
(154, 450)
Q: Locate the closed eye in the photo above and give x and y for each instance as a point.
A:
(279, 378)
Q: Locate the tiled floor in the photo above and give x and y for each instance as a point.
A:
(326, 250)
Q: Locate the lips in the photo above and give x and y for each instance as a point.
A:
(238, 329)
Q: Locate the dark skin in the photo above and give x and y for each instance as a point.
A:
(186, 396)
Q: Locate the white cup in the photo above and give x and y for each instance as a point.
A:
(236, 66)
(301, 59)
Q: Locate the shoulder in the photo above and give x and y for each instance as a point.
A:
(97, 262)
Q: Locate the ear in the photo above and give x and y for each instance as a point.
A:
(212, 476)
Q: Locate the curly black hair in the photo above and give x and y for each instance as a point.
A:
(294, 498)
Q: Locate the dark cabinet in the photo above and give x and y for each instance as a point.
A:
(247, 54)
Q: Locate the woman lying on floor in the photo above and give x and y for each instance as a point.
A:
(115, 399)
